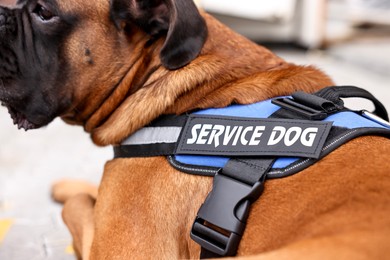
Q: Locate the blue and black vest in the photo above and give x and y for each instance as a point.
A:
(243, 145)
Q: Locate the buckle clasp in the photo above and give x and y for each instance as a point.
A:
(307, 112)
(221, 220)
(309, 106)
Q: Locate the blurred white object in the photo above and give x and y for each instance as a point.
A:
(300, 21)
(276, 10)
(369, 11)
(197, 2)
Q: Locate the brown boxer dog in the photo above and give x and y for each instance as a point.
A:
(114, 66)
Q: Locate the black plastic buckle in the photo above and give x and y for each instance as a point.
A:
(310, 106)
(306, 111)
(221, 220)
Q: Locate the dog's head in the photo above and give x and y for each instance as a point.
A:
(57, 57)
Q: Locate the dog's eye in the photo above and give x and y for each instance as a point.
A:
(43, 13)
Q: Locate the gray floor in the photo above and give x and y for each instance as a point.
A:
(30, 223)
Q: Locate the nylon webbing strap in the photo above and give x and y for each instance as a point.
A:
(221, 220)
(335, 94)
(165, 136)
(249, 171)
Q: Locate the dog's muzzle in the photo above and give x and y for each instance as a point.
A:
(9, 68)
(8, 30)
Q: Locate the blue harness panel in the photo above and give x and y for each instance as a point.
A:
(347, 120)
(203, 142)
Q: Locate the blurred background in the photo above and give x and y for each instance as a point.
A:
(348, 39)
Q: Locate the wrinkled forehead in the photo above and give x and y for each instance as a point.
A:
(85, 7)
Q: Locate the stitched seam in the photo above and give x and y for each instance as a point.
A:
(338, 140)
(250, 164)
(289, 169)
(185, 168)
(307, 160)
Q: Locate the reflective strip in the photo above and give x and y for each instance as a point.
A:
(154, 135)
(5, 225)
(352, 120)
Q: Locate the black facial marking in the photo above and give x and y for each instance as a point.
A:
(8, 63)
(32, 68)
(7, 24)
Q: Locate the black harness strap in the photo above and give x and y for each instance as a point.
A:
(324, 103)
(221, 219)
(249, 171)
(336, 92)
(123, 151)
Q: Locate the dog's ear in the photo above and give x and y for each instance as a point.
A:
(179, 20)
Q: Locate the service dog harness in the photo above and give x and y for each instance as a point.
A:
(243, 145)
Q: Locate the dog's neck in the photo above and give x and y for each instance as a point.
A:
(230, 69)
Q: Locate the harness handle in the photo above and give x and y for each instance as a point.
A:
(335, 93)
